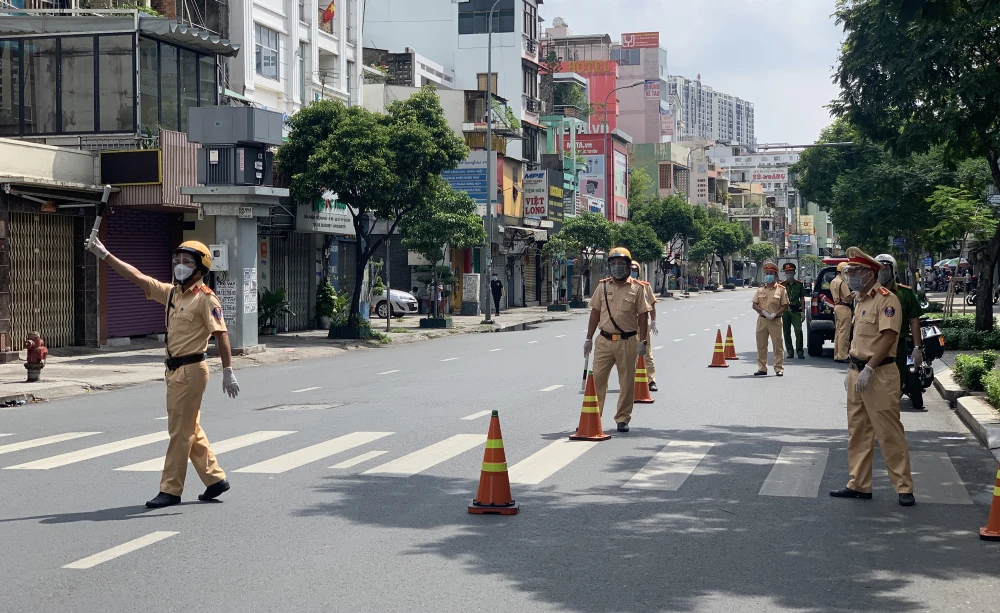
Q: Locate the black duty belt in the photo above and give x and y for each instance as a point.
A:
(846, 304)
(618, 337)
(795, 309)
(859, 365)
(175, 363)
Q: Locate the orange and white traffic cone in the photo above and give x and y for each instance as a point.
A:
(730, 353)
(590, 416)
(992, 530)
(719, 355)
(494, 495)
(641, 383)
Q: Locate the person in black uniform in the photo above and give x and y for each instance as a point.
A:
(496, 288)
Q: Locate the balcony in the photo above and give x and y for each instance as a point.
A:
(529, 49)
(330, 27)
(532, 105)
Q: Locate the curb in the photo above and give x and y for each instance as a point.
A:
(949, 389)
(983, 420)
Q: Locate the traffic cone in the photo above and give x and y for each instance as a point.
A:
(641, 383)
(730, 353)
(992, 530)
(719, 355)
(493, 495)
(590, 416)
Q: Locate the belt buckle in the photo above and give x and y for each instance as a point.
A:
(616, 337)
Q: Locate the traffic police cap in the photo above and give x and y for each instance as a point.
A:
(857, 257)
(788, 267)
(770, 267)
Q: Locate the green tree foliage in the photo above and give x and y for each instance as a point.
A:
(758, 253)
(586, 235)
(386, 167)
(571, 94)
(671, 218)
(918, 73)
(640, 240)
(640, 191)
(959, 214)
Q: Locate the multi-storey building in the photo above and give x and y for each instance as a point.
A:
(704, 113)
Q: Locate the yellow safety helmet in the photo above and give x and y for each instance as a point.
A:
(841, 266)
(620, 252)
(199, 251)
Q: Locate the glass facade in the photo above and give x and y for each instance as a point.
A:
(473, 16)
(86, 84)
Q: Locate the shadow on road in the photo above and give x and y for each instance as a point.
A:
(115, 514)
(605, 548)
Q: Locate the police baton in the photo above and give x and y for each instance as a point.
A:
(586, 367)
(101, 208)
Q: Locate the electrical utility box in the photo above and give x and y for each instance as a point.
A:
(220, 257)
(231, 125)
(221, 165)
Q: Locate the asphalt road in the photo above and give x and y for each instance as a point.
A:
(690, 511)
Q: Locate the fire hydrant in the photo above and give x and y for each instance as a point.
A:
(37, 352)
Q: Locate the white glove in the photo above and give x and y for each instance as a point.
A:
(653, 328)
(643, 349)
(918, 356)
(96, 247)
(588, 345)
(862, 383)
(847, 378)
(229, 384)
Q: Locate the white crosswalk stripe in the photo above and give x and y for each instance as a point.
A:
(3, 434)
(91, 452)
(477, 415)
(544, 463)
(935, 479)
(313, 453)
(120, 550)
(670, 467)
(45, 440)
(429, 456)
(364, 457)
(229, 444)
(797, 472)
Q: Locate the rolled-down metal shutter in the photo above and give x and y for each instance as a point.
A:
(142, 239)
(530, 274)
(291, 265)
(41, 278)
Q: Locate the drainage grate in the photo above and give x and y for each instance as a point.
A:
(301, 407)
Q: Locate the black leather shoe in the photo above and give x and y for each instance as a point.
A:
(652, 386)
(214, 491)
(849, 493)
(802, 356)
(907, 500)
(163, 500)
(791, 354)
(623, 427)
(780, 374)
(760, 373)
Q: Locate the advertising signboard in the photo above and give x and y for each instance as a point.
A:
(653, 90)
(470, 177)
(641, 40)
(328, 215)
(535, 187)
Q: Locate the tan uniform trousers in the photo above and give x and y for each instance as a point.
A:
(185, 387)
(650, 365)
(770, 328)
(875, 414)
(621, 353)
(842, 337)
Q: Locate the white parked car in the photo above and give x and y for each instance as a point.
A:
(403, 303)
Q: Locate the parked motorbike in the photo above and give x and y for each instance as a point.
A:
(971, 298)
(920, 378)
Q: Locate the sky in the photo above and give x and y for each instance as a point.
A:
(777, 54)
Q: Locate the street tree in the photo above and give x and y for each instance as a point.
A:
(588, 235)
(671, 218)
(920, 73)
(452, 223)
(813, 261)
(758, 253)
(726, 238)
(640, 240)
(959, 215)
(383, 167)
(640, 191)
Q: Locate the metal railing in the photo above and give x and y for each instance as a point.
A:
(325, 26)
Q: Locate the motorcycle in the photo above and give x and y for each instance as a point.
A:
(971, 298)
(920, 378)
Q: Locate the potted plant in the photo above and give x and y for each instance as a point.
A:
(272, 305)
(326, 304)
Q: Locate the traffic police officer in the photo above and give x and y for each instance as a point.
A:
(193, 314)
(843, 300)
(873, 384)
(620, 309)
(651, 297)
(770, 302)
(792, 318)
(911, 312)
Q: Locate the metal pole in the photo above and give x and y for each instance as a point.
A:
(490, 171)
(388, 287)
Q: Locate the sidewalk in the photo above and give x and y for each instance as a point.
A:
(75, 370)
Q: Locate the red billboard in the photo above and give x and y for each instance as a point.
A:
(641, 40)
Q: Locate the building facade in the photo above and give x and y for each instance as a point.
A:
(704, 113)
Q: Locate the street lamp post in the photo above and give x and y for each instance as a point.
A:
(491, 199)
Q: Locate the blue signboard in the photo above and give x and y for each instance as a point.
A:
(928, 261)
(469, 180)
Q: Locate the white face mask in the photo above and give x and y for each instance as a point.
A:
(182, 273)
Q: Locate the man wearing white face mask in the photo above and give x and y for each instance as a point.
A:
(193, 314)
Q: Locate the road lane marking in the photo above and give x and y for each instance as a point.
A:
(306, 389)
(492, 350)
(389, 372)
(708, 329)
(935, 479)
(670, 467)
(313, 453)
(119, 551)
(161, 418)
(560, 335)
(229, 444)
(477, 415)
(364, 457)
(657, 347)
(796, 473)
(676, 340)
(45, 440)
(544, 463)
(91, 452)
(550, 388)
(449, 359)
(429, 456)
(532, 342)
(692, 334)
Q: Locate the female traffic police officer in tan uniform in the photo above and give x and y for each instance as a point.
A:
(619, 307)
(770, 302)
(193, 315)
(873, 384)
(842, 299)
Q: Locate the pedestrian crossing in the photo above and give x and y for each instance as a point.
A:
(795, 471)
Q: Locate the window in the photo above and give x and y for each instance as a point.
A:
(169, 88)
(626, 57)
(531, 21)
(473, 16)
(116, 84)
(39, 94)
(302, 73)
(208, 92)
(267, 51)
(10, 85)
(149, 86)
(481, 82)
(76, 64)
(350, 80)
(189, 84)
(530, 82)
(665, 176)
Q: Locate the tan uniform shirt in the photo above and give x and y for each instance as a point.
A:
(874, 313)
(625, 303)
(650, 296)
(196, 314)
(771, 299)
(839, 290)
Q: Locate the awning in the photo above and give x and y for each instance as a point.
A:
(187, 36)
(535, 233)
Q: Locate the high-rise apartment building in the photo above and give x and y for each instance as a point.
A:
(704, 113)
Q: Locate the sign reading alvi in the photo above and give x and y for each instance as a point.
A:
(328, 215)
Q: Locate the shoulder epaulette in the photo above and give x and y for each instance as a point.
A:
(884, 291)
(906, 286)
(641, 282)
(780, 284)
(207, 290)
(604, 279)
